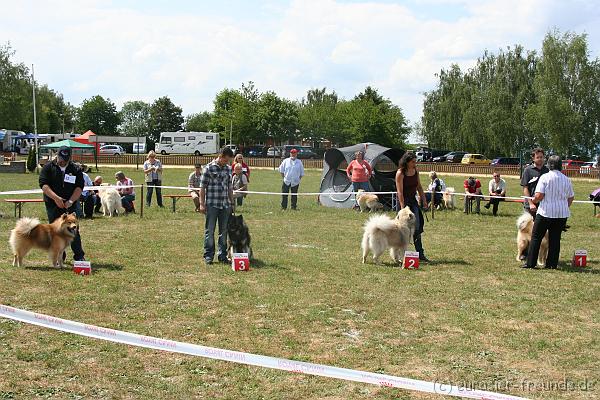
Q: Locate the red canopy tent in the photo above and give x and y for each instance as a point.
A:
(85, 139)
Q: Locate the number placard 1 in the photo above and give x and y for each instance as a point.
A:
(580, 258)
(411, 260)
(240, 262)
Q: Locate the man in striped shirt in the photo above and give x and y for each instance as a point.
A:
(553, 197)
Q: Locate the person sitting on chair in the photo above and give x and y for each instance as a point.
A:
(194, 185)
(127, 193)
(497, 190)
(473, 193)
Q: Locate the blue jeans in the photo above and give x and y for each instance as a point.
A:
(359, 185)
(127, 202)
(213, 215)
(54, 212)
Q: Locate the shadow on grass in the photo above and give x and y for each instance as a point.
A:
(109, 267)
(448, 261)
(567, 267)
(258, 263)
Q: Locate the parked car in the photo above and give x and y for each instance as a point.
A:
(303, 151)
(111, 150)
(572, 164)
(233, 148)
(455, 156)
(255, 151)
(423, 155)
(441, 158)
(273, 152)
(505, 161)
(474, 158)
(587, 168)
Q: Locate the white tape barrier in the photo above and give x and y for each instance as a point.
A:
(39, 191)
(350, 193)
(246, 358)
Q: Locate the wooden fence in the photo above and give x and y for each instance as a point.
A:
(424, 167)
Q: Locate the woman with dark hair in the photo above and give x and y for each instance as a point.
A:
(408, 185)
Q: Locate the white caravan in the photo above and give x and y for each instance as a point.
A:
(196, 143)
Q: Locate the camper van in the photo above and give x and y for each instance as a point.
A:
(8, 140)
(196, 143)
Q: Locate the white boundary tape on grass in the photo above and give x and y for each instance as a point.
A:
(350, 193)
(238, 357)
(330, 194)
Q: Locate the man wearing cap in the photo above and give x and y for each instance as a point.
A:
(292, 171)
(62, 184)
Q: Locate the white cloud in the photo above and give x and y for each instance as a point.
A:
(87, 48)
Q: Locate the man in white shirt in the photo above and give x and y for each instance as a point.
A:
(497, 190)
(553, 197)
(292, 171)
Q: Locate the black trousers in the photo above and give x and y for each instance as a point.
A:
(554, 227)
(284, 197)
(53, 213)
(495, 201)
(88, 205)
(158, 193)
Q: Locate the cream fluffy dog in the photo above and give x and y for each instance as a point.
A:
(367, 200)
(111, 202)
(383, 232)
(525, 229)
(449, 198)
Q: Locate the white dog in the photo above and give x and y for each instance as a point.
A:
(383, 232)
(367, 200)
(525, 229)
(111, 202)
(449, 198)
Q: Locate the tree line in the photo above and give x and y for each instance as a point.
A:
(246, 114)
(518, 99)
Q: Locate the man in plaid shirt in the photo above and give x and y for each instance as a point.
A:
(216, 199)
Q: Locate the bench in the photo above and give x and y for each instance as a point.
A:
(175, 197)
(19, 203)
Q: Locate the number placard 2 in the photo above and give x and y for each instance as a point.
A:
(411, 260)
(580, 258)
(240, 262)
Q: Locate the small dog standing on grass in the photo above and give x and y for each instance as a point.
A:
(29, 233)
(525, 230)
(449, 198)
(383, 232)
(239, 236)
(111, 202)
(368, 201)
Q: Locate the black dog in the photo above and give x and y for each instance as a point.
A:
(239, 236)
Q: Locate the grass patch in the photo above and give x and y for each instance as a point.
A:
(470, 317)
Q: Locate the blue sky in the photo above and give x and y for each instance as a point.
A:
(189, 50)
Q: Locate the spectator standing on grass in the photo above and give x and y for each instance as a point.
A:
(408, 184)
(194, 185)
(497, 190)
(472, 193)
(359, 172)
(239, 159)
(216, 199)
(292, 171)
(239, 182)
(153, 171)
(435, 189)
(62, 184)
(97, 201)
(127, 193)
(553, 198)
(530, 177)
(88, 197)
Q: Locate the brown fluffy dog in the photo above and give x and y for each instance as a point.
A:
(525, 227)
(367, 200)
(55, 237)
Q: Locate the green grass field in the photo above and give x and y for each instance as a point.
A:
(471, 317)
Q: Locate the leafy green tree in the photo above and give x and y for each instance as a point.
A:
(98, 115)
(276, 118)
(164, 117)
(235, 111)
(15, 87)
(135, 118)
(31, 160)
(319, 117)
(200, 122)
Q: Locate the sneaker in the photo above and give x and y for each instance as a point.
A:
(526, 266)
(81, 259)
(423, 258)
(208, 261)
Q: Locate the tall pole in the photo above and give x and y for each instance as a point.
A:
(230, 132)
(35, 141)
